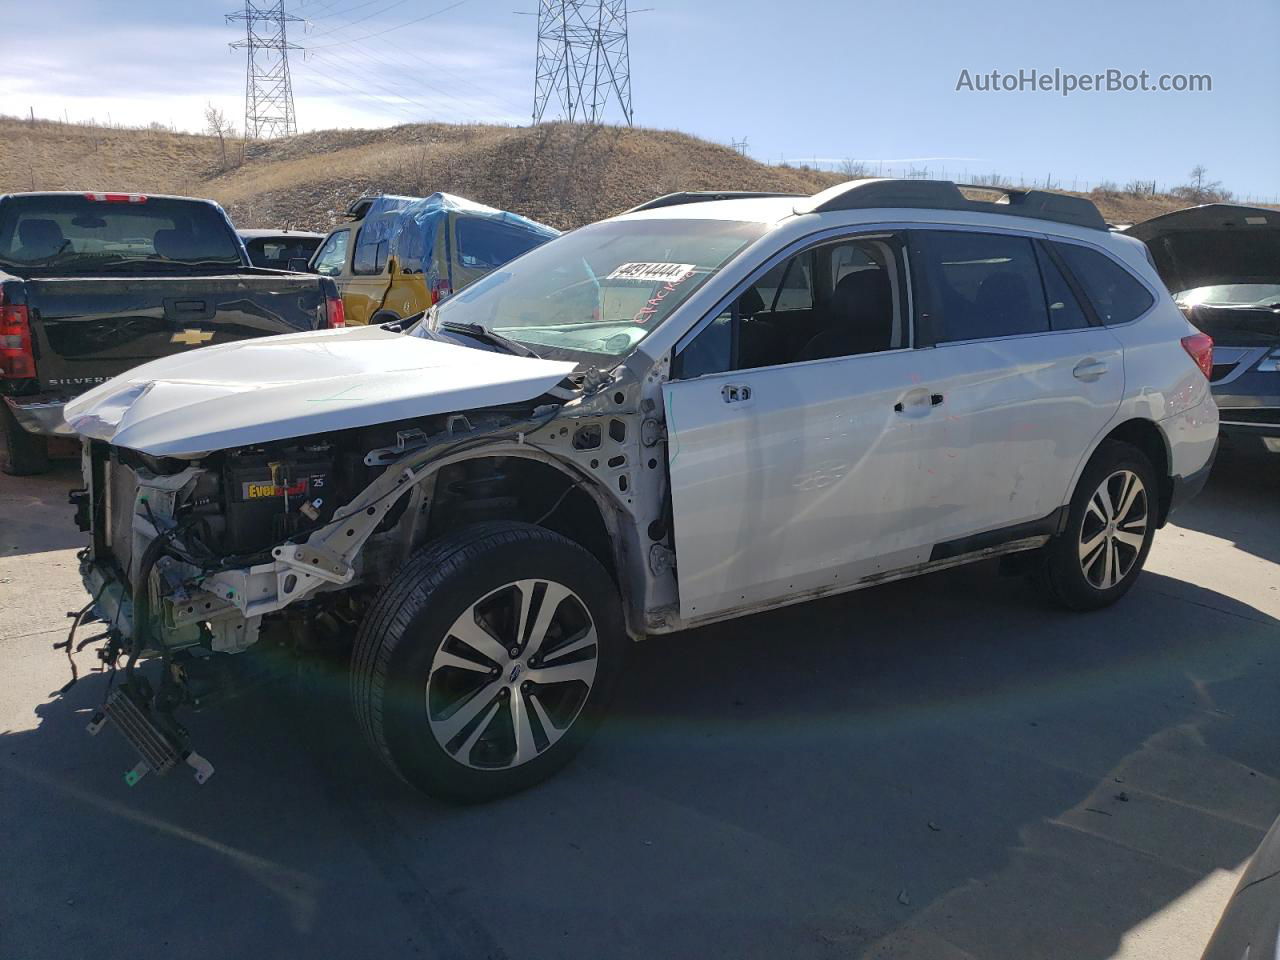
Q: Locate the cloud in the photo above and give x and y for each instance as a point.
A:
(136, 74)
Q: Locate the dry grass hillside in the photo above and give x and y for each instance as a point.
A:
(561, 174)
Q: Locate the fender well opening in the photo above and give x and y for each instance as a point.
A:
(1146, 436)
(520, 488)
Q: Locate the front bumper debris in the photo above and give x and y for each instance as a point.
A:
(160, 751)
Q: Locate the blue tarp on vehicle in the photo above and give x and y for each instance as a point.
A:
(408, 225)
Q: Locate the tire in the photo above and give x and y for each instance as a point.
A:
(442, 712)
(1096, 559)
(383, 316)
(28, 453)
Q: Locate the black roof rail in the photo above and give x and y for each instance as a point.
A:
(945, 195)
(702, 196)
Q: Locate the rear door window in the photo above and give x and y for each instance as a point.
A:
(978, 286)
(1116, 295)
(1065, 312)
(373, 243)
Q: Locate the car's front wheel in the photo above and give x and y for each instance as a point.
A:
(1110, 524)
(485, 665)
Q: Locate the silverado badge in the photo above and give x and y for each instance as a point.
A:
(192, 338)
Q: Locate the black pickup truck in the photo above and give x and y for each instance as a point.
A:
(92, 284)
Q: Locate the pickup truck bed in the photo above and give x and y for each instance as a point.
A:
(167, 275)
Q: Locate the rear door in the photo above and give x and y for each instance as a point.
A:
(1024, 378)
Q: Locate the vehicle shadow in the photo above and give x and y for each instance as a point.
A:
(35, 515)
(1241, 489)
(942, 767)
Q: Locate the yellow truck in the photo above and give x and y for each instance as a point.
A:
(399, 255)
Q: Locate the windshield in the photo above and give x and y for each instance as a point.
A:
(70, 234)
(1232, 295)
(600, 289)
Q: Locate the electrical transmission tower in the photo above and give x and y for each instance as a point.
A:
(583, 58)
(268, 92)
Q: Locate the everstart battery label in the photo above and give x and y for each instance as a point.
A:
(260, 489)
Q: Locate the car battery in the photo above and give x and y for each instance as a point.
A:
(270, 498)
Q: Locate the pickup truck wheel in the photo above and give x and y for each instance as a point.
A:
(485, 665)
(383, 316)
(28, 453)
(1110, 526)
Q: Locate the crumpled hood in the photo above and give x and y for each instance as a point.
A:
(274, 388)
(1213, 244)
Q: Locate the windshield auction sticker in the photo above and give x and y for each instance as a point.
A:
(651, 272)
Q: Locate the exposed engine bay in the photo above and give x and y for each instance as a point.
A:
(279, 547)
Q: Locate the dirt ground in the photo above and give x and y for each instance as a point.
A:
(941, 768)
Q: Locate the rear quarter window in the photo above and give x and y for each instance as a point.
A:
(1116, 294)
(486, 244)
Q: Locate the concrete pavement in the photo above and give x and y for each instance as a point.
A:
(940, 768)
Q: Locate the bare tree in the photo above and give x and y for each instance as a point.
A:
(1199, 188)
(854, 169)
(217, 124)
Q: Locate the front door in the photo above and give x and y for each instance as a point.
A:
(792, 470)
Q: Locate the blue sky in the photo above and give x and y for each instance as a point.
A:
(802, 80)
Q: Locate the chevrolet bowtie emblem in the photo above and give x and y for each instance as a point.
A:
(192, 338)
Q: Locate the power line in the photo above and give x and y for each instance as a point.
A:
(399, 26)
(416, 72)
(268, 89)
(584, 58)
(352, 23)
(344, 64)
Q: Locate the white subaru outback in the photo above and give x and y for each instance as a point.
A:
(706, 407)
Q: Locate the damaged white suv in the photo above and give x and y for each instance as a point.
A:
(706, 407)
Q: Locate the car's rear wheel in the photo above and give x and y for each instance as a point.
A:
(28, 453)
(1111, 522)
(487, 663)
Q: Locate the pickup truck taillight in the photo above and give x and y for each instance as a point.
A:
(117, 197)
(16, 359)
(439, 290)
(335, 313)
(1200, 348)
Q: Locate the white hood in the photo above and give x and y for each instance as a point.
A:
(255, 391)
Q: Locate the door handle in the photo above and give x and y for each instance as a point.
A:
(735, 392)
(1089, 369)
(918, 400)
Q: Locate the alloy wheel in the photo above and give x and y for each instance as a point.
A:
(512, 675)
(1114, 529)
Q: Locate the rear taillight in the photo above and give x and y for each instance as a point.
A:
(17, 362)
(439, 290)
(1200, 348)
(335, 312)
